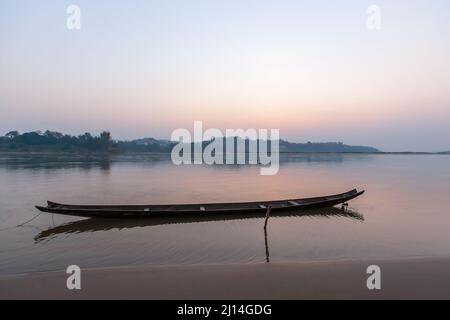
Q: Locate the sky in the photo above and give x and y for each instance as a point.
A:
(312, 69)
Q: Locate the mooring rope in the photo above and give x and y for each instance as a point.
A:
(19, 225)
(22, 224)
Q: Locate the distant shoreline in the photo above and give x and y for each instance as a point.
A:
(56, 141)
(103, 153)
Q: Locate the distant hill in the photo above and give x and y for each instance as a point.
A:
(286, 146)
(54, 141)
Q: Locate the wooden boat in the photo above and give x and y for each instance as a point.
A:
(104, 224)
(144, 211)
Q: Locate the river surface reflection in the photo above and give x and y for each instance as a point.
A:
(405, 211)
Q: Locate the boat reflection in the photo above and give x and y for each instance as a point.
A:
(103, 224)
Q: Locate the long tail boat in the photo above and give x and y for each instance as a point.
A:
(104, 224)
(164, 210)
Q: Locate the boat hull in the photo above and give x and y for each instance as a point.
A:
(148, 211)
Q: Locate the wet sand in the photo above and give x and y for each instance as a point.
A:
(400, 279)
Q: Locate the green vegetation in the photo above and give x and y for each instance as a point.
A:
(286, 146)
(54, 141)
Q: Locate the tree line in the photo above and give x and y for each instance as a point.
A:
(56, 141)
(51, 140)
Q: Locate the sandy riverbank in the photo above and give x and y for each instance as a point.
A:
(401, 279)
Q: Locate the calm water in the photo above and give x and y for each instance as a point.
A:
(404, 213)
